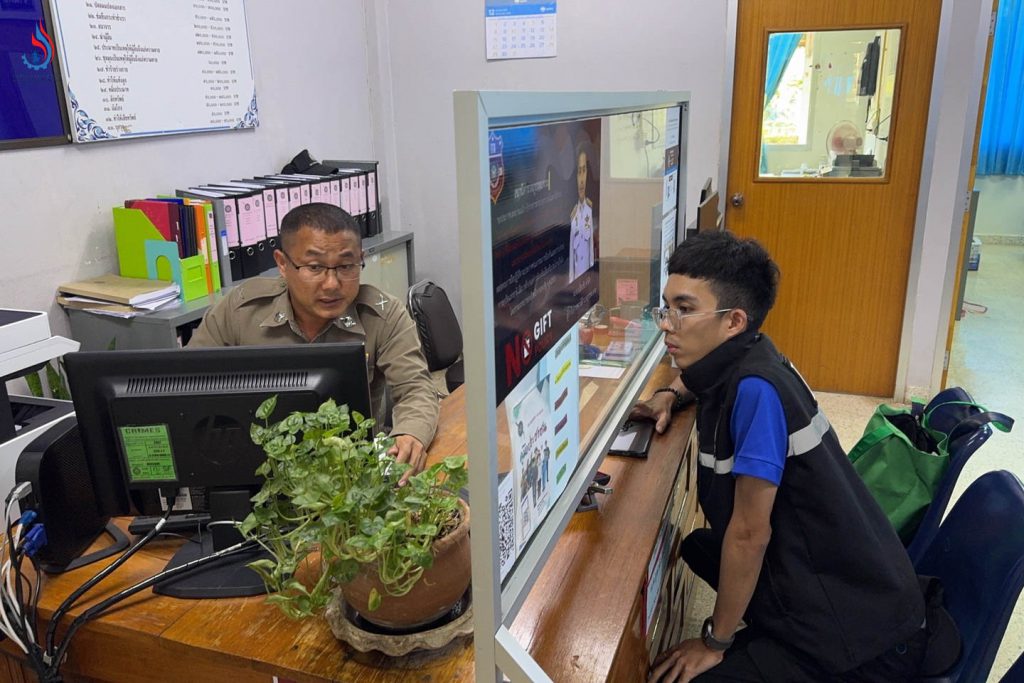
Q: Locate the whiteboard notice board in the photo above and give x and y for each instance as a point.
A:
(134, 68)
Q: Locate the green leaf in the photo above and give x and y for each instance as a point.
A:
(266, 408)
(35, 385)
(58, 385)
(374, 601)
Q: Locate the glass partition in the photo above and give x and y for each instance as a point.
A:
(569, 206)
(578, 262)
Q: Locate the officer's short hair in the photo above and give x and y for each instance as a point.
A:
(326, 218)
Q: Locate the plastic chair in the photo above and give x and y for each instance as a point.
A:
(439, 332)
(947, 415)
(978, 554)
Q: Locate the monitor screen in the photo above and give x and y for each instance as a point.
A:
(164, 419)
(33, 111)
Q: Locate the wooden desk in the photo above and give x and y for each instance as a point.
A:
(581, 621)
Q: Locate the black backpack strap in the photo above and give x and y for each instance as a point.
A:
(1003, 423)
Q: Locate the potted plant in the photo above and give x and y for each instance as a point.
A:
(331, 498)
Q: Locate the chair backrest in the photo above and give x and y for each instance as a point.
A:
(948, 409)
(960, 452)
(436, 324)
(978, 553)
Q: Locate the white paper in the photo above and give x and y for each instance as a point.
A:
(601, 371)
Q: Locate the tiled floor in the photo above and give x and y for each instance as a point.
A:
(988, 360)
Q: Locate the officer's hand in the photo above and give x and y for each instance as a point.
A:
(657, 408)
(409, 449)
(684, 662)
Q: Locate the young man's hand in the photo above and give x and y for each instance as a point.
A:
(409, 449)
(657, 408)
(684, 662)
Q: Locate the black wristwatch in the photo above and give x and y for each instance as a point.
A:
(712, 643)
(679, 403)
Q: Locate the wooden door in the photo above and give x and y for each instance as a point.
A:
(842, 243)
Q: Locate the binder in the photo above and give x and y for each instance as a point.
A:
(225, 217)
(358, 197)
(268, 218)
(251, 232)
(282, 195)
(320, 186)
(374, 220)
(353, 196)
(373, 204)
(299, 192)
(270, 212)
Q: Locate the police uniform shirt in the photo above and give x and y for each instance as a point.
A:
(581, 239)
(258, 311)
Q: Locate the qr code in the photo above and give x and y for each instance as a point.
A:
(506, 529)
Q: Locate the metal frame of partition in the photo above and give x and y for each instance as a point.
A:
(496, 650)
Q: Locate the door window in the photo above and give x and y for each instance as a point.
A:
(828, 103)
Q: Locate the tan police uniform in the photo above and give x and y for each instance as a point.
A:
(259, 312)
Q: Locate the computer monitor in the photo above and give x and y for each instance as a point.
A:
(165, 419)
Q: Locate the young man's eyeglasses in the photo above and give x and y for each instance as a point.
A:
(316, 271)
(675, 317)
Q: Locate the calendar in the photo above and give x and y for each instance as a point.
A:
(520, 29)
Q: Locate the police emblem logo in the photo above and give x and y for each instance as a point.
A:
(495, 148)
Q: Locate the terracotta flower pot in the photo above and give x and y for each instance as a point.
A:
(438, 589)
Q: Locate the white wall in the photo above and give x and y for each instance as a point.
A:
(432, 48)
(949, 142)
(310, 63)
(1000, 207)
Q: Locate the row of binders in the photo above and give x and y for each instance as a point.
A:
(234, 225)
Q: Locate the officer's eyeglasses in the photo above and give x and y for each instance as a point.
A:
(675, 317)
(315, 271)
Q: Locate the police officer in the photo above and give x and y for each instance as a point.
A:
(318, 298)
(581, 222)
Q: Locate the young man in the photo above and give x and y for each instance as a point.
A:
(318, 298)
(797, 547)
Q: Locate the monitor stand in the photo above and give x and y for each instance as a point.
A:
(228, 577)
(120, 543)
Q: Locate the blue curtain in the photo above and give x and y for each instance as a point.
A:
(1001, 149)
(781, 47)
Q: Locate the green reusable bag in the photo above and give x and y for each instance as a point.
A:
(902, 460)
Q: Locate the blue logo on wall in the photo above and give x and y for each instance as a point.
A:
(41, 57)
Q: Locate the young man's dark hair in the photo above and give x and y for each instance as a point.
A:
(796, 545)
(740, 271)
(325, 218)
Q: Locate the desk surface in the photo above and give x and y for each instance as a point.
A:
(573, 621)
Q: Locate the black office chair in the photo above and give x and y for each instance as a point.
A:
(439, 332)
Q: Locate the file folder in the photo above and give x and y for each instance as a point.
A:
(225, 217)
(162, 215)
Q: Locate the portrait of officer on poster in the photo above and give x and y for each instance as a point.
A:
(582, 219)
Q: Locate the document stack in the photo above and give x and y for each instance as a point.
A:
(121, 297)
